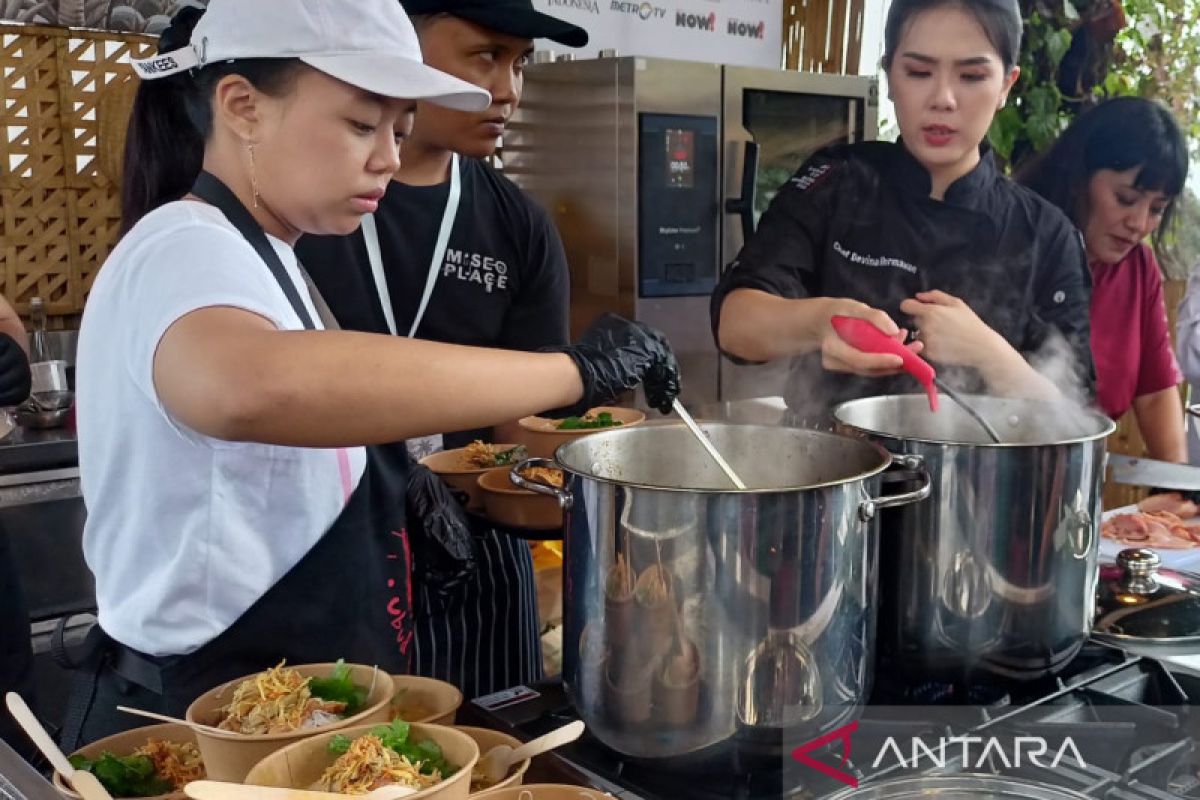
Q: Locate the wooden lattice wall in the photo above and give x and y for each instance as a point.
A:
(823, 35)
(65, 97)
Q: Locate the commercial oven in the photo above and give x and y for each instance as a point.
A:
(655, 171)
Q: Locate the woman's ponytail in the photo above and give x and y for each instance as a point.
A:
(164, 148)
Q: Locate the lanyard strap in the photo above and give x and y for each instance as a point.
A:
(210, 189)
(375, 255)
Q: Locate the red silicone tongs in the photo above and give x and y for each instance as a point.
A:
(863, 335)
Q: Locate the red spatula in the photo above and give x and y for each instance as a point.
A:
(863, 335)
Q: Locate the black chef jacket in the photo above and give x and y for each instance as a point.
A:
(504, 280)
(857, 221)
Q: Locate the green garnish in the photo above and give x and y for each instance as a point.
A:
(602, 420)
(128, 776)
(395, 737)
(338, 688)
(510, 456)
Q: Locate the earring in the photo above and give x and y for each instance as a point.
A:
(253, 174)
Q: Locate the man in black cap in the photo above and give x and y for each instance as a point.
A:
(457, 253)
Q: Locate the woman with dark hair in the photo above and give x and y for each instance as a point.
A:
(239, 510)
(923, 233)
(1117, 171)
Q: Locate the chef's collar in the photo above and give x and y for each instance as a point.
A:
(969, 191)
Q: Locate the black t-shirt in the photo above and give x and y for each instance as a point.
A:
(857, 221)
(503, 282)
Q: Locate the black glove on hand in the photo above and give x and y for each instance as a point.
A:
(14, 372)
(443, 550)
(615, 355)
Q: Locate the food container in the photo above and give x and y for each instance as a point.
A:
(425, 700)
(462, 478)
(994, 578)
(541, 435)
(301, 764)
(514, 507)
(229, 758)
(123, 744)
(486, 739)
(774, 586)
(544, 791)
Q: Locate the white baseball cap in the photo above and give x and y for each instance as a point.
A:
(370, 44)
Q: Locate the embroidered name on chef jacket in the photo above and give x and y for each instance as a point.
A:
(489, 272)
(813, 176)
(873, 261)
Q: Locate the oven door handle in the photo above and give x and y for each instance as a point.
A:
(744, 206)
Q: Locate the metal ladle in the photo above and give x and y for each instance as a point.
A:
(706, 444)
(965, 406)
(863, 335)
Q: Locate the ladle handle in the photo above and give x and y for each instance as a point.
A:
(865, 336)
(708, 446)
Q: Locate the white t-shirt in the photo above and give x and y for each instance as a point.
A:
(185, 532)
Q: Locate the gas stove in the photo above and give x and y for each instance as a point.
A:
(1112, 726)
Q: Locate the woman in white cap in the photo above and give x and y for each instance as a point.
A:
(238, 510)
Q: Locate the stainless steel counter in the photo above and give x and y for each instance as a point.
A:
(26, 450)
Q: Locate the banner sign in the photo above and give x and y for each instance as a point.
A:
(743, 32)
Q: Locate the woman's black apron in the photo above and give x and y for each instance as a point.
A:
(349, 597)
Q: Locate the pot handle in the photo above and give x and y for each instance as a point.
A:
(869, 507)
(565, 500)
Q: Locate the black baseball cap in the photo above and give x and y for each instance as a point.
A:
(514, 17)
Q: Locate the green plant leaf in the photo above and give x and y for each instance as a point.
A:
(1005, 129)
(1057, 44)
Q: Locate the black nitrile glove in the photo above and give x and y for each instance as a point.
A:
(15, 382)
(615, 355)
(443, 550)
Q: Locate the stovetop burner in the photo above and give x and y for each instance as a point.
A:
(1132, 736)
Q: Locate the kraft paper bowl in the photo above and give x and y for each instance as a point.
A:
(123, 744)
(425, 700)
(300, 765)
(229, 758)
(487, 738)
(543, 791)
(541, 435)
(514, 507)
(462, 478)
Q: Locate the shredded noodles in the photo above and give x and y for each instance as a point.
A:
(177, 762)
(549, 475)
(368, 765)
(276, 701)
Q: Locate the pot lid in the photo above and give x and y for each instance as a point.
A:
(959, 787)
(1139, 602)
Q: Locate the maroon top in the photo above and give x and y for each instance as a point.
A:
(1130, 339)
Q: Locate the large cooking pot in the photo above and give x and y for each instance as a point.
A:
(996, 573)
(698, 617)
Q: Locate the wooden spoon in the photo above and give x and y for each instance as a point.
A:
(495, 763)
(196, 726)
(84, 782)
(220, 790)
